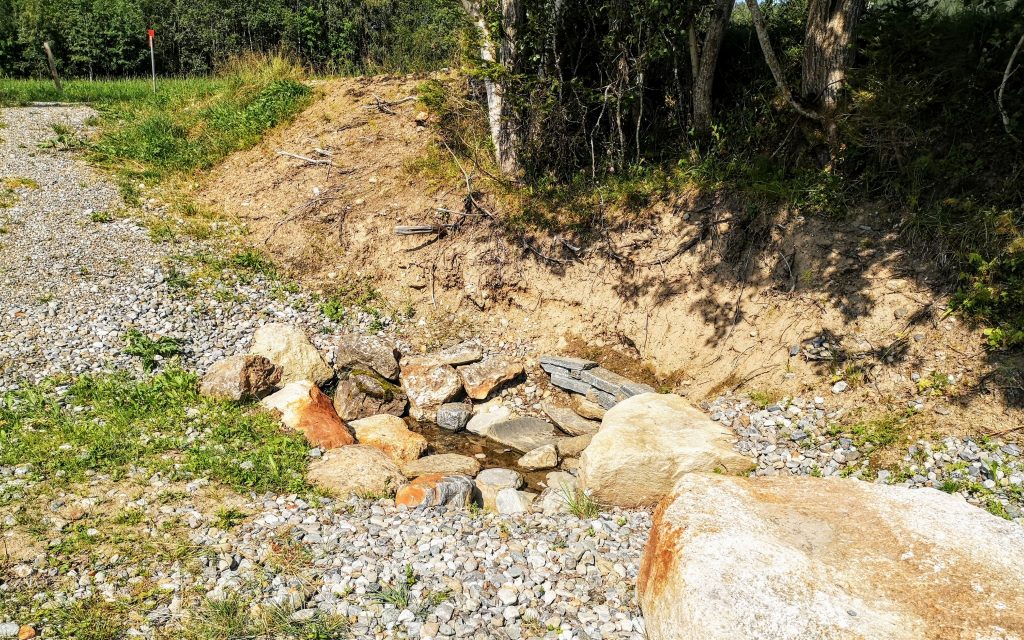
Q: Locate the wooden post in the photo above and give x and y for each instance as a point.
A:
(53, 67)
(152, 57)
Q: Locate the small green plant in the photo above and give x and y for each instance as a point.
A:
(229, 517)
(996, 508)
(101, 216)
(150, 350)
(765, 398)
(934, 383)
(398, 592)
(580, 503)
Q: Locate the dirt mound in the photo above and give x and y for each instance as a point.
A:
(712, 297)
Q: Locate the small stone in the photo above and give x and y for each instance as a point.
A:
(454, 416)
(840, 386)
(543, 457)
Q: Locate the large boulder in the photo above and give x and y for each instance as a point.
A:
(523, 434)
(243, 377)
(571, 422)
(436, 490)
(366, 352)
(446, 464)
(358, 469)
(361, 394)
(429, 384)
(481, 378)
(647, 443)
(303, 407)
(390, 434)
(288, 347)
(791, 558)
(492, 481)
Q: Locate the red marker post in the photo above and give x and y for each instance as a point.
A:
(152, 57)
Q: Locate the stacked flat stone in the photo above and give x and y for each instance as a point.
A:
(585, 377)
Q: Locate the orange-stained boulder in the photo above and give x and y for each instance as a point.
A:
(435, 490)
(303, 407)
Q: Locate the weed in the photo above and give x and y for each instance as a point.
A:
(398, 592)
(229, 517)
(151, 351)
(765, 398)
(235, 618)
(934, 383)
(881, 431)
(8, 198)
(101, 216)
(580, 503)
(997, 508)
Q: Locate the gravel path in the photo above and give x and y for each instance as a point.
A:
(72, 286)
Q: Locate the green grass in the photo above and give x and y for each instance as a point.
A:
(881, 431)
(398, 593)
(111, 423)
(580, 504)
(189, 124)
(234, 619)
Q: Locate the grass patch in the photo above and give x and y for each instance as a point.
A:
(112, 423)
(880, 432)
(397, 593)
(188, 125)
(20, 183)
(102, 217)
(233, 618)
(765, 398)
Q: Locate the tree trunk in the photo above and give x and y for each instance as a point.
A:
(504, 134)
(708, 60)
(773, 62)
(830, 30)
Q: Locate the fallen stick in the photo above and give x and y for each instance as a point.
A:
(422, 229)
(305, 159)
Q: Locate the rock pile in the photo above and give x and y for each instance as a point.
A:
(374, 382)
(597, 384)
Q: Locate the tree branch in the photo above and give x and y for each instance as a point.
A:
(1002, 87)
(773, 62)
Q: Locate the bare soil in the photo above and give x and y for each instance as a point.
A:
(695, 295)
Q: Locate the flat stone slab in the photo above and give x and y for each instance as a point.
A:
(605, 380)
(565, 362)
(570, 384)
(523, 434)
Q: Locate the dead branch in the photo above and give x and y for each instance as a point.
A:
(1002, 88)
(384, 106)
(306, 159)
